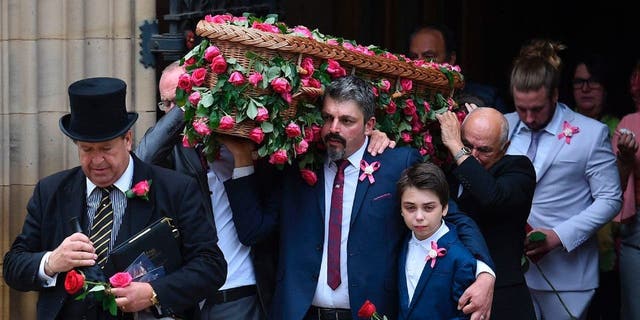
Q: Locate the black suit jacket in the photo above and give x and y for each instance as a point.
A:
(59, 197)
(499, 201)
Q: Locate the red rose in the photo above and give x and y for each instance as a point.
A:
(74, 281)
(120, 279)
(280, 85)
(375, 91)
(141, 188)
(309, 176)
(367, 310)
(219, 65)
(391, 107)
(189, 61)
(184, 82)
(256, 135)
(263, 114)
(279, 157)
(292, 130)
(236, 78)
(308, 134)
(210, 53)
(185, 142)
(316, 132)
(198, 75)
(226, 123)
(410, 107)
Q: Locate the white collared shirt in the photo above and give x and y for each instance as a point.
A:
(325, 296)
(416, 257)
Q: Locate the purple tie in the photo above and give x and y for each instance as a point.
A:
(335, 227)
(533, 145)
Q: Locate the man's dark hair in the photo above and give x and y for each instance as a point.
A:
(352, 88)
(447, 34)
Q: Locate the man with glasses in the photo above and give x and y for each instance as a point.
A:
(495, 190)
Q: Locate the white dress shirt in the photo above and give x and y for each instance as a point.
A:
(416, 257)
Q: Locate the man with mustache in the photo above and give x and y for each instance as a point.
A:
(340, 238)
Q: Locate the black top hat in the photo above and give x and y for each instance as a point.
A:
(98, 111)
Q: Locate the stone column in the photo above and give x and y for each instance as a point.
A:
(45, 45)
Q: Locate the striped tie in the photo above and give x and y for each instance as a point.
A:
(102, 225)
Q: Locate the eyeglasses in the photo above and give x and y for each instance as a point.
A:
(165, 105)
(579, 83)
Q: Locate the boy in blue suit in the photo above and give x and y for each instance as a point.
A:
(434, 266)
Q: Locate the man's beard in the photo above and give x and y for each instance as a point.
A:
(335, 153)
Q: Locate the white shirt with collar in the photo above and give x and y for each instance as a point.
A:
(416, 254)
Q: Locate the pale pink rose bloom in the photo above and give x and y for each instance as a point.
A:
(211, 52)
(348, 46)
(385, 85)
(301, 147)
(239, 20)
(263, 114)
(265, 27)
(255, 78)
(226, 123)
(334, 69)
(332, 42)
(303, 31)
(194, 98)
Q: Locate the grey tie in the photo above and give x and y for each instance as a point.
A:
(533, 145)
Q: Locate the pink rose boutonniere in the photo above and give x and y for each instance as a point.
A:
(368, 170)
(567, 132)
(140, 190)
(76, 281)
(435, 253)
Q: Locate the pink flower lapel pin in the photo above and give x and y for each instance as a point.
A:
(368, 170)
(140, 190)
(435, 253)
(567, 132)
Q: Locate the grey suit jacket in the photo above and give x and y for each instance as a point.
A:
(578, 190)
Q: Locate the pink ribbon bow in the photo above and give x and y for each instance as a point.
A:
(368, 170)
(435, 253)
(567, 132)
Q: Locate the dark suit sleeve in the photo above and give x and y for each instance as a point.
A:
(159, 140)
(204, 269)
(469, 233)
(507, 190)
(255, 201)
(22, 261)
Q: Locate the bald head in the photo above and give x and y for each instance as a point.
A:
(169, 83)
(486, 130)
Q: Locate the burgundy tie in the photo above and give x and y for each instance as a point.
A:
(335, 227)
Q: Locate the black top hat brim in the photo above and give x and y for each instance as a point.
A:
(78, 136)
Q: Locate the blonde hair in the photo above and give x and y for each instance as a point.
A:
(537, 66)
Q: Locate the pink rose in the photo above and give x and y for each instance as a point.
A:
(292, 130)
(221, 18)
(335, 70)
(236, 78)
(279, 157)
(263, 114)
(265, 27)
(309, 176)
(385, 85)
(427, 106)
(286, 96)
(427, 138)
(120, 279)
(201, 127)
(390, 56)
(375, 91)
(280, 85)
(211, 52)
(301, 147)
(303, 31)
(410, 107)
(391, 107)
(189, 61)
(198, 75)
(316, 132)
(141, 189)
(311, 82)
(461, 115)
(255, 78)
(219, 65)
(185, 142)
(451, 103)
(194, 98)
(307, 65)
(184, 82)
(239, 20)
(416, 125)
(226, 123)
(348, 46)
(332, 42)
(308, 134)
(422, 151)
(256, 135)
(406, 137)
(406, 84)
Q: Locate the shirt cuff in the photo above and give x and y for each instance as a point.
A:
(242, 172)
(47, 281)
(483, 267)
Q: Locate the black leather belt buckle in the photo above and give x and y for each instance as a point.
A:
(233, 294)
(330, 313)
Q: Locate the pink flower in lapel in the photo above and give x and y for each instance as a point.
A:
(567, 132)
(435, 253)
(368, 170)
(140, 190)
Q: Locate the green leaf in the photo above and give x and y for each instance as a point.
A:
(524, 263)
(272, 73)
(99, 287)
(267, 127)
(181, 97)
(537, 236)
(271, 19)
(206, 99)
(82, 295)
(109, 303)
(252, 109)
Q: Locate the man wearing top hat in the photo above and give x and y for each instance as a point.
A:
(49, 246)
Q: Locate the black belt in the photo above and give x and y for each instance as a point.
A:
(329, 313)
(233, 294)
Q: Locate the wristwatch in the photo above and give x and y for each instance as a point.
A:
(464, 151)
(154, 298)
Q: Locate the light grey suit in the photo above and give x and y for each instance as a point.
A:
(578, 190)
